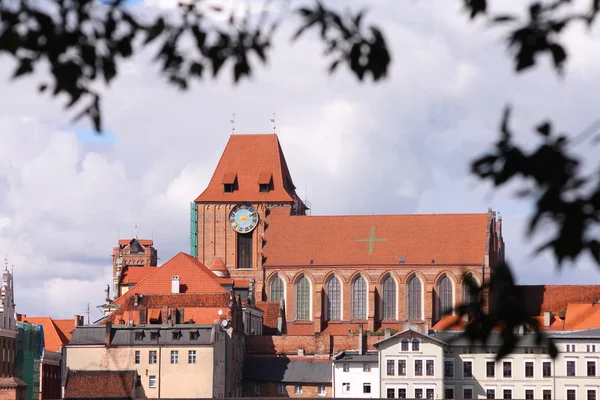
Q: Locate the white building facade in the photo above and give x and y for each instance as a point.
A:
(356, 375)
(443, 365)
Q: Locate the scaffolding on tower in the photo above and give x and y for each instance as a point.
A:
(194, 230)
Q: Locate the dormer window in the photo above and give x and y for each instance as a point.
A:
(265, 182)
(229, 182)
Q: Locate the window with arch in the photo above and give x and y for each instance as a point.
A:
(359, 298)
(404, 345)
(276, 289)
(444, 296)
(415, 345)
(388, 298)
(468, 281)
(333, 297)
(303, 298)
(414, 298)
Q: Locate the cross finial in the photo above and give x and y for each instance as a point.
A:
(232, 121)
(6, 262)
(273, 121)
(136, 226)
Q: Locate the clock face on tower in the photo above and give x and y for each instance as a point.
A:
(243, 218)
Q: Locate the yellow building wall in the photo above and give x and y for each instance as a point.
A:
(180, 380)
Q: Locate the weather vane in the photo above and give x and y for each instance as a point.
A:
(6, 262)
(232, 121)
(273, 121)
(136, 226)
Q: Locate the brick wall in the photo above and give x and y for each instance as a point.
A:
(321, 344)
(271, 389)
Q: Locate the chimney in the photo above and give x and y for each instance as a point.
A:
(387, 333)
(251, 292)
(175, 284)
(547, 319)
(107, 333)
(360, 340)
(78, 320)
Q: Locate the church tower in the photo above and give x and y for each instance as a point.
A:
(228, 219)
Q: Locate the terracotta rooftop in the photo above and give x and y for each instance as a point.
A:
(436, 239)
(582, 316)
(99, 384)
(194, 277)
(271, 314)
(248, 160)
(54, 338)
(134, 274)
(555, 298)
(218, 265)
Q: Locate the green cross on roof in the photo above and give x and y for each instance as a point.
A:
(372, 240)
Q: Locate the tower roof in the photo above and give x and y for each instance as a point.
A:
(246, 162)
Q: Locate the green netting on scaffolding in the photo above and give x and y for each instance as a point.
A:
(30, 344)
(194, 230)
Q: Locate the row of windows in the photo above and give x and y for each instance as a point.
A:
(346, 388)
(507, 369)
(366, 367)
(359, 294)
(175, 335)
(152, 357)
(418, 367)
(490, 393)
(589, 348)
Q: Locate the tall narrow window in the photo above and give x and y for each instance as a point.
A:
(333, 299)
(359, 298)
(303, 299)
(468, 282)
(414, 298)
(244, 250)
(444, 295)
(276, 289)
(389, 298)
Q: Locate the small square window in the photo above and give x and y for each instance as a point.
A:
(467, 393)
(490, 394)
(322, 391)
(467, 369)
(152, 381)
(138, 381)
(137, 356)
(191, 356)
(264, 187)
(281, 389)
(547, 394)
(529, 394)
(507, 369)
(507, 394)
(153, 335)
(194, 335)
(257, 388)
(139, 336)
(366, 388)
(366, 367)
(546, 369)
(174, 357)
(346, 367)
(346, 387)
(297, 389)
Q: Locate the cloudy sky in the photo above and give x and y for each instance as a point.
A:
(401, 146)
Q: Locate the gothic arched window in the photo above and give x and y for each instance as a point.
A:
(389, 298)
(444, 294)
(359, 298)
(333, 296)
(303, 298)
(276, 289)
(414, 298)
(468, 283)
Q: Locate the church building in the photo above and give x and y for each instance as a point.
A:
(332, 273)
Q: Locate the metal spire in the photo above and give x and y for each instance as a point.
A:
(232, 121)
(273, 121)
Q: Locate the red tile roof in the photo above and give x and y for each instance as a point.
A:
(449, 239)
(194, 277)
(555, 298)
(271, 314)
(582, 316)
(66, 326)
(134, 274)
(556, 324)
(155, 302)
(218, 265)
(54, 338)
(99, 384)
(249, 156)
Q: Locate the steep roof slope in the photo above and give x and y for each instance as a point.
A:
(53, 335)
(250, 158)
(194, 277)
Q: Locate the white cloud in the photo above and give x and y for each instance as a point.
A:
(403, 145)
